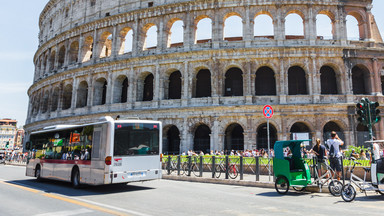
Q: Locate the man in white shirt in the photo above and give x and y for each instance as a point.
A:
(334, 144)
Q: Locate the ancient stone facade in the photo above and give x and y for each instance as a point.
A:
(209, 93)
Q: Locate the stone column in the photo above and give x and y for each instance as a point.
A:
(247, 28)
(80, 53)
(136, 40)
(217, 30)
(74, 93)
(110, 84)
(377, 90)
(161, 36)
(90, 91)
(188, 37)
(115, 49)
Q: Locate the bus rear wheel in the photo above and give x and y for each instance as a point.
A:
(38, 173)
(75, 178)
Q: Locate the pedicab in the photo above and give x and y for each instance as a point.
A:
(292, 170)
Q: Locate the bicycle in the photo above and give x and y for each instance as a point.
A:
(173, 166)
(348, 192)
(233, 171)
(334, 185)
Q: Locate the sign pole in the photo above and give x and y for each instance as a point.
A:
(269, 152)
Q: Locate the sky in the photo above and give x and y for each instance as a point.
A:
(19, 33)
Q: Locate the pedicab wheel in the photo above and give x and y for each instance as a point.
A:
(348, 193)
(380, 192)
(335, 187)
(298, 188)
(282, 185)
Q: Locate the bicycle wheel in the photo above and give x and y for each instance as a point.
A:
(380, 192)
(348, 193)
(217, 171)
(183, 168)
(335, 187)
(298, 188)
(233, 172)
(196, 170)
(282, 185)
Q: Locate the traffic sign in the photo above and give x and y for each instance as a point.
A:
(268, 111)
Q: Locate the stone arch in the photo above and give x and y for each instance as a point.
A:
(301, 130)
(52, 60)
(87, 49)
(236, 31)
(45, 104)
(150, 39)
(175, 29)
(202, 84)
(234, 137)
(359, 17)
(265, 82)
(82, 94)
(67, 97)
(328, 80)
(203, 29)
(100, 91)
(202, 139)
(55, 99)
(360, 80)
(120, 89)
(294, 30)
(325, 24)
(175, 85)
(233, 84)
(61, 57)
(171, 141)
(297, 81)
(262, 136)
(148, 87)
(126, 40)
(73, 52)
(263, 25)
(105, 44)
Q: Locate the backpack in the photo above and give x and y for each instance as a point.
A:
(332, 151)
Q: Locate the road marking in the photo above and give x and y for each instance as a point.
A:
(66, 213)
(78, 201)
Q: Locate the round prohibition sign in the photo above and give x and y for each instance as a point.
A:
(268, 111)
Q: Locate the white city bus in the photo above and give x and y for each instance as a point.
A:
(106, 152)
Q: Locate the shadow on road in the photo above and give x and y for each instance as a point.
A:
(275, 194)
(65, 188)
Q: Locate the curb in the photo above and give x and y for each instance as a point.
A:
(246, 183)
(15, 164)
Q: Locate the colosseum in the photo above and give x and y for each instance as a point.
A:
(119, 57)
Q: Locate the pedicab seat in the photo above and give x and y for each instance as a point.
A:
(367, 169)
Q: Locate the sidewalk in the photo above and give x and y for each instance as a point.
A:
(248, 180)
(15, 163)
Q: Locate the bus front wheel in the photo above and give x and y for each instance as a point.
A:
(75, 178)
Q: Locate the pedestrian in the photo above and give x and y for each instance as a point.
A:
(321, 154)
(376, 150)
(334, 144)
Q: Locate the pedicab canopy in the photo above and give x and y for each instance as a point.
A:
(294, 146)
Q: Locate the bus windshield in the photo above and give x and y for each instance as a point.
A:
(132, 139)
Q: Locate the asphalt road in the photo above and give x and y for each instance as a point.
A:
(20, 195)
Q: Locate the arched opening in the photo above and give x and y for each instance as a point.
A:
(263, 27)
(294, 26)
(74, 52)
(67, 97)
(360, 80)
(45, 102)
(150, 41)
(202, 139)
(262, 136)
(203, 84)
(87, 49)
(126, 41)
(233, 28)
(324, 27)
(55, 99)
(352, 28)
(171, 144)
(203, 32)
(265, 81)
(176, 34)
(61, 57)
(52, 59)
(233, 82)
(300, 131)
(234, 138)
(82, 95)
(328, 80)
(148, 88)
(100, 92)
(106, 44)
(297, 82)
(332, 126)
(120, 90)
(174, 88)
